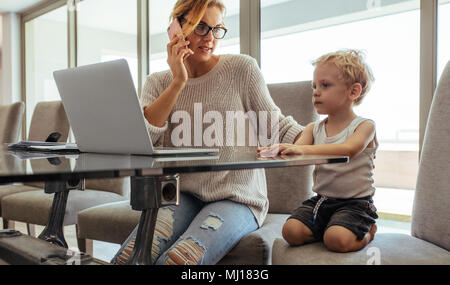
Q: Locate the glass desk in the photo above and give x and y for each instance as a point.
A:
(154, 180)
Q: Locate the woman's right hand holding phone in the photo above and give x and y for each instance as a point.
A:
(178, 51)
(158, 112)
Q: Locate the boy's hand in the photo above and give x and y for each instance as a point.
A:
(283, 148)
(291, 149)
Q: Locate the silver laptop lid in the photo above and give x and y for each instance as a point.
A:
(103, 108)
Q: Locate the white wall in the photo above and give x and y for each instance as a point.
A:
(10, 87)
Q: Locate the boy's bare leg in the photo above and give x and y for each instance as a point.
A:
(340, 239)
(296, 233)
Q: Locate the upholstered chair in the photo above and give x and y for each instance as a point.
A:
(48, 117)
(33, 207)
(11, 117)
(429, 242)
(287, 188)
(11, 122)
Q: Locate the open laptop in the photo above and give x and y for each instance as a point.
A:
(104, 111)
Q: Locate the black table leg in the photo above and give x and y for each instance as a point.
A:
(144, 238)
(53, 231)
(148, 194)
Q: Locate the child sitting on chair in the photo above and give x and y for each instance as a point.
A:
(342, 213)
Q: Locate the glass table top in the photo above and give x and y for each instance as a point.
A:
(21, 166)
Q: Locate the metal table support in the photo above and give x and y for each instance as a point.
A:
(148, 194)
(53, 231)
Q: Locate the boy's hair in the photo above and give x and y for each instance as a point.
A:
(353, 69)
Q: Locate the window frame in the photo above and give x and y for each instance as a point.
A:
(250, 44)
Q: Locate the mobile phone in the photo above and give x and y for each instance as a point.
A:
(174, 28)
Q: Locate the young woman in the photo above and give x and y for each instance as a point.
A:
(216, 208)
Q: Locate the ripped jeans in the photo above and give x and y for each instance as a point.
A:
(194, 232)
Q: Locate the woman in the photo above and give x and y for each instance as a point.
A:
(216, 208)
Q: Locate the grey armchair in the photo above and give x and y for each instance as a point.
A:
(429, 242)
(287, 187)
(10, 122)
(33, 207)
(47, 117)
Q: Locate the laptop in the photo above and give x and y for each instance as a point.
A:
(104, 111)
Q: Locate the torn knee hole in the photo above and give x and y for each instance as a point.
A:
(186, 252)
(163, 229)
(163, 232)
(212, 222)
(122, 259)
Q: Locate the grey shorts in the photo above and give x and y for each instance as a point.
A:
(355, 214)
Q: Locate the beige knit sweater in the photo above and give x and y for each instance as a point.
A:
(234, 84)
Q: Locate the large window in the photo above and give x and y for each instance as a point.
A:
(107, 30)
(159, 11)
(45, 52)
(443, 35)
(389, 33)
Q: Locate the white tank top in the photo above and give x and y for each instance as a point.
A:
(344, 180)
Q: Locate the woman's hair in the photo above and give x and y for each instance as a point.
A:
(352, 67)
(198, 8)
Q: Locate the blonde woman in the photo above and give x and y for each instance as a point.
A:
(216, 208)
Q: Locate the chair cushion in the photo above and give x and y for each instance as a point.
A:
(10, 121)
(34, 206)
(119, 186)
(294, 99)
(14, 189)
(256, 247)
(430, 217)
(48, 117)
(289, 187)
(112, 222)
(392, 249)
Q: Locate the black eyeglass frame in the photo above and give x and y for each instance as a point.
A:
(182, 20)
(211, 29)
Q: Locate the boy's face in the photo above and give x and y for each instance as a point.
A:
(330, 92)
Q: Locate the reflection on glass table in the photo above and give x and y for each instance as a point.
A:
(154, 180)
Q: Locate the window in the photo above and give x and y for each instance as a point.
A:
(45, 52)
(389, 34)
(159, 11)
(107, 30)
(443, 38)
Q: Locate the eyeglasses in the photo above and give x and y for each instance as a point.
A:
(203, 29)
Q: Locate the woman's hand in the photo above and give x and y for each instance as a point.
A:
(282, 149)
(177, 52)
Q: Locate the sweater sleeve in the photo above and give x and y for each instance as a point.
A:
(259, 100)
(150, 92)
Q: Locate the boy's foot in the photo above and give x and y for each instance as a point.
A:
(372, 231)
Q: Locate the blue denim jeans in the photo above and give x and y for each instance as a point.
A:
(195, 232)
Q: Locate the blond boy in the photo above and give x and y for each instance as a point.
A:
(342, 213)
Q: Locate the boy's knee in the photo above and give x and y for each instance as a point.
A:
(338, 239)
(295, 232)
